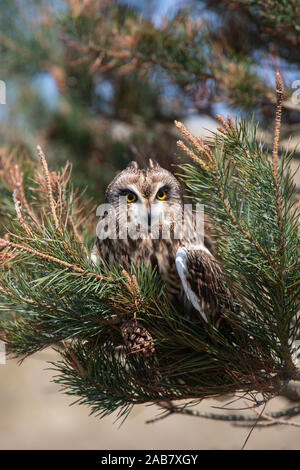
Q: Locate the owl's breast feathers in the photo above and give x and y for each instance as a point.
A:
(193, 278)
(157, 253)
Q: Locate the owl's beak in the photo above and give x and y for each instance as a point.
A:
(149, 213)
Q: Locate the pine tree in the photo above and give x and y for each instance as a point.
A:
(119, 80)
(120, 341)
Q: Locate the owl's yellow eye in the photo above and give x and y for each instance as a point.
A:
(130, 197)
(161, 195)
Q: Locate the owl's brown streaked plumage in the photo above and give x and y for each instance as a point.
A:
(193, 278)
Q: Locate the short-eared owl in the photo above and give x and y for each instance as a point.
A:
(148, 201)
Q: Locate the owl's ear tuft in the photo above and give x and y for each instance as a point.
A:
(153, 163)
(132, 166)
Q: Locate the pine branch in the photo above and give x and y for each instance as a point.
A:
(279, 92)
(52, 294)
(47, 257)
(271, 418)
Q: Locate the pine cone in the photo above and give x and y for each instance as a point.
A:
(137, 338)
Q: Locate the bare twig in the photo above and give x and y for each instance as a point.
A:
(234, 418)
(253, 426)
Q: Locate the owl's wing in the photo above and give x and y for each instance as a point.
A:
(202, 281)
(94, 257)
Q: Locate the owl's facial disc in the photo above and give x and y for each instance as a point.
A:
(165, 208)
(149, 209)
(136, 206)
(146, 198)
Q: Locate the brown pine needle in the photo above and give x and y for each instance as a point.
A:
(209, 154)
(192, 155)
(221, 130)
(252, 429)
(131, 283)
(279, 93)
(189, 136)
(74, 361)
(231, 124)
(39, 254)
(49, 185)
(223, 122)
(20, 215)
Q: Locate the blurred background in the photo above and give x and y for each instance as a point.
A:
(99, 83)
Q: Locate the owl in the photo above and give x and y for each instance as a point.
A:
(139, 223)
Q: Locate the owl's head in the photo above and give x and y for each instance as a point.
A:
(147, 195)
